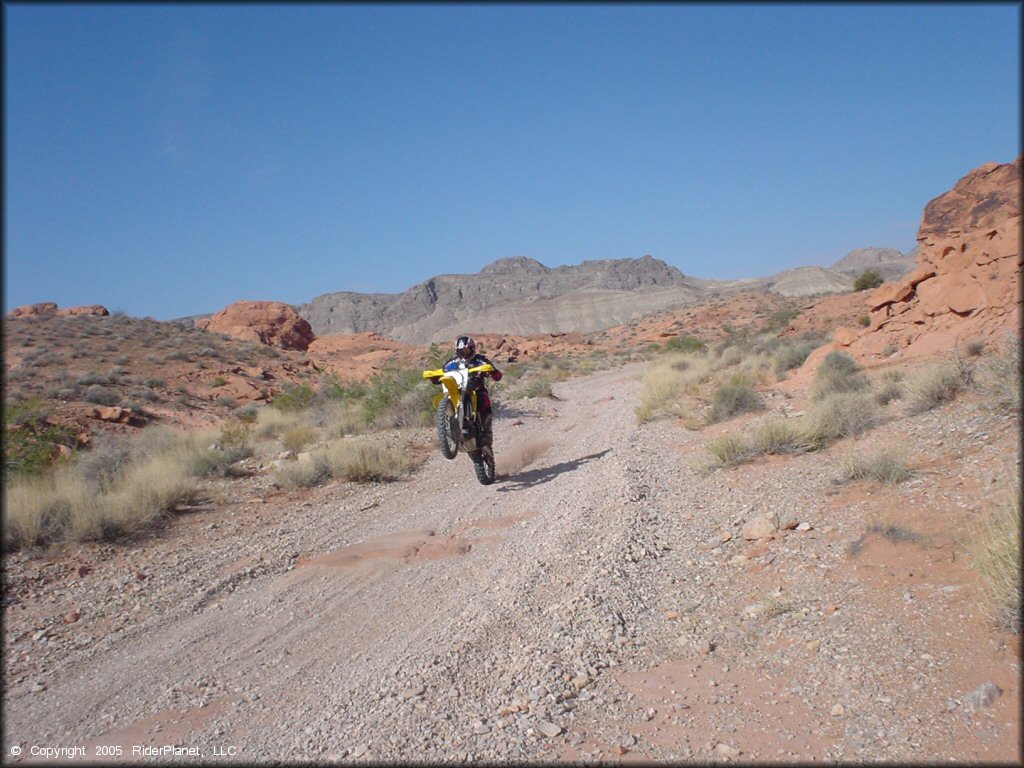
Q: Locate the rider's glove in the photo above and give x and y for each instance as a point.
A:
(496, 375)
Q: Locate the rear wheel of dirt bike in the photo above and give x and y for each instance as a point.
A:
(447, 429)
(483, 465)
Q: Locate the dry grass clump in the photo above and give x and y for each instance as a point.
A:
(729, 449)
(882, 467)
(360, 460)
(295, 437)
(997, 557)
(888, 387)
(664, 385)
(734, 396)
(778, 436)
(839, 415)
(1000, 376)
(357, 460)
(838, 373)
(69, 504)
(936, 385)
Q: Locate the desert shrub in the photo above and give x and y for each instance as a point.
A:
(888, 387)
(685, 344)
(936, 385)
(780, 319)
(997, 558)
(344, 418)
(301, 474)
(864, 321)
(101, 395)
(735, 396)
(31, 444)
(114, 491)
(219, 381)
(295, 437)
(882, 467)
(177, 355)
(235, 440)
(92, 377)
(728, 449)
(837, 416)
(294, 397)
(156, 383)
(867, 280)
(790, 356)
(226, 401)
(837, 373)
(1000, 376)
(777, 436)
(361, 460)
(248, 412)
(398, 396)
(271, 422)
(662, 390)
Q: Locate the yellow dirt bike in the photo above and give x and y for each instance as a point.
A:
(459, 422)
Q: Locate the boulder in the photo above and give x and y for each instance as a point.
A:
(273, 323)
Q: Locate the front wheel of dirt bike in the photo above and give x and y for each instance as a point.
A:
(447, 429)
(483, 465)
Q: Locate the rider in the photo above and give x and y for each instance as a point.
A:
(465, 352)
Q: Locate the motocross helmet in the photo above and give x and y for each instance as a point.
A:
(465, 347)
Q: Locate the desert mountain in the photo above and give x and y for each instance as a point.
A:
(888, 262)
(515, 295)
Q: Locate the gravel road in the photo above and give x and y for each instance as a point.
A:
(599, 602)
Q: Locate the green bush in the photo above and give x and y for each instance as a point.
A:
(31, 443)
(294, 397)
(780, 319)
(685, 344)
(867, 280)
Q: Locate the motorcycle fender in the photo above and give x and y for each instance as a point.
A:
(437, 400)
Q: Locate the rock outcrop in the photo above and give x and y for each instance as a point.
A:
(97, 310)
(42, 309)
(966, 286)
(269, 322)
(50, 309)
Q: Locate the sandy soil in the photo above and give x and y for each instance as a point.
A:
(597, 603)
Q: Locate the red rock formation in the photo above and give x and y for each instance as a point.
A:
(269, 322)
(34, 310)
(89, 309)
(967, 283)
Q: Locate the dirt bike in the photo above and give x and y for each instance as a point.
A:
(459, 422)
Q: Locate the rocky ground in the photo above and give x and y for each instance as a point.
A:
(601, 602)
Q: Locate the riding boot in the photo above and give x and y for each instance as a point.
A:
(486, 436)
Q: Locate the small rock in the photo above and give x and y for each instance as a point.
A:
(838, 710)
(480, 728)
(761, 527)
(37, 687)
(549, 729)
(804, 526)
(726, 536)
(580, 682)
(985, 696)
(72, 616)
(726, 750)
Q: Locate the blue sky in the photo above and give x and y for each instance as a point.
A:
(166, 160)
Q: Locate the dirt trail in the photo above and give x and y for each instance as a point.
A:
(586, 606)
